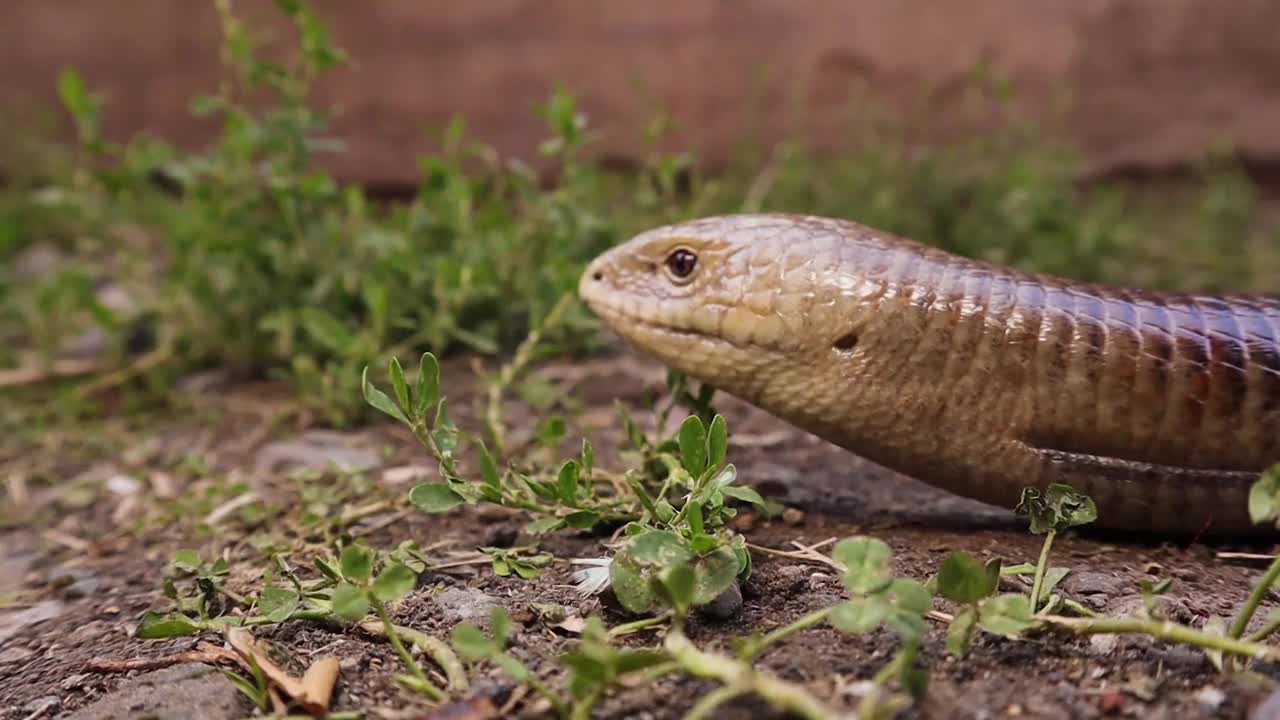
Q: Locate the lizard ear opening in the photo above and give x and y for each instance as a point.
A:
(846, 342)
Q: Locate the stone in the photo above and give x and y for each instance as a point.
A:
(725, 606)
(319, 450)
(11, 622)
(465, 605)
(1094, 583)
(41, 707)
(185, 692)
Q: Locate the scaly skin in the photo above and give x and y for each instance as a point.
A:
(976, 378)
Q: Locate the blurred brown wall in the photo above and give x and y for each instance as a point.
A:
(1152, 82)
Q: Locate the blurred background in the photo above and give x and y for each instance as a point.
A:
(1137, 84)
(293, 190)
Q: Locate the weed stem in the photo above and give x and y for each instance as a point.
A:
(431, 690)
(804, 623)
(637, 625)
(1165, 631)
(437, 650)
(1255, 598)
(711, 701)
(743, 678)
(1041, 567)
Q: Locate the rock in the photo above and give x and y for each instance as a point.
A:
(1210, 698)
(185, 692)
(405, 474)
(319, 450)
(15, 654)
(793, 578)
(41, 707)
(1104, 644)
(1167, 606)
(725, 606)
(11, 622)
(123, 485)
(1094, 583)
(71, 682)
(465, 605)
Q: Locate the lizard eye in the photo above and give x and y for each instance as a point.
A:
(681, 263)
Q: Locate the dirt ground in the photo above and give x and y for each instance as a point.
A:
(76, 575)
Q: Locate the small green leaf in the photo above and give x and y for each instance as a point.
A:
(488, 470)
(511, 666)
(544, 525)
(745, 494)
(1052, 577)
(471, 643)
(867, 563)
(631, 586)
(638, 561)
(501, 567)
(399, 385)
(72, 91)
(588, 457)
(525, 570)
(963, 579)
(428, 384)
(714, 573)
(960, 632)
(277, 603)
(187, 560)
(155, 625)
(328, 330)
(356, 563)
(703, 544)
(717, 442)
(435, 497)
(694, 515)
(349, 602)
(657, 548)
(394, 582)
(859, 614)
(1006, 615)
(551, 431)
(379, 399)
(567, 482)
(582, 519)
(328, 569)
(1059, 507)
(678, 582)
(909, 601)
(1264, 497)
(499, 625)
(693, 446)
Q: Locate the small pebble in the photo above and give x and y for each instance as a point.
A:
(1209, 698)
(793, 516)
(725, 606)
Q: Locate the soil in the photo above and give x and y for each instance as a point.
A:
(75, 577)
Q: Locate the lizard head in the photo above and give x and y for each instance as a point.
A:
(712, 295)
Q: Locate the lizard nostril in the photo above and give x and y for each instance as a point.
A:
(597, 276)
